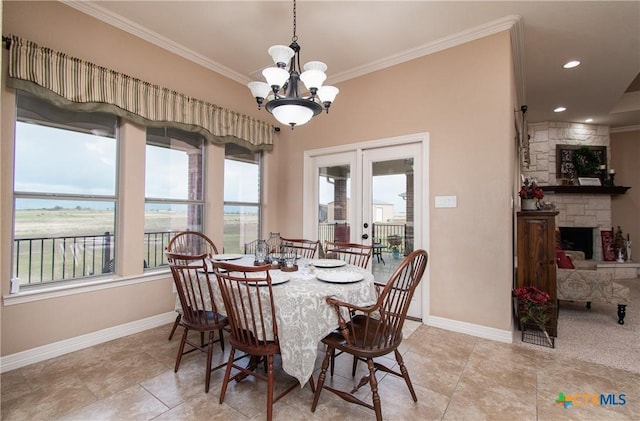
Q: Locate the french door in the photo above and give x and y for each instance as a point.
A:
(370, 193)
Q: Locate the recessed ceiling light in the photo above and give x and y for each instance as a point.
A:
(571, 64)
(559, 110)
(589, 120)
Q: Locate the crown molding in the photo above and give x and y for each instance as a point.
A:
(126, 25)
(490, 28)
(625, 129)
(519, 64)
(477, 32)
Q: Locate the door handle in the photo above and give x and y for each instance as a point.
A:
(365, 236)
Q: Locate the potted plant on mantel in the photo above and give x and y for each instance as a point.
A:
(530, 194)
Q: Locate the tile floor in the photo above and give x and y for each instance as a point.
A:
(456, 377)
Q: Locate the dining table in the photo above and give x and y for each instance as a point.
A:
(302, 314)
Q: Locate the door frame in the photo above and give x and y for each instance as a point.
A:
(422, 198)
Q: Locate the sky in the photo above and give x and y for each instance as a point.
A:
(51, 160)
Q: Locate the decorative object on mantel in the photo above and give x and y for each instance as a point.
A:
(293, 108)
(529, 194)
(620, 246)
(612, 176)
(580, 161)
(534, 311)
(628, 248)
(608, 252)
(589, 181)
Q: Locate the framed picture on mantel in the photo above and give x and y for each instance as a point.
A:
(589, 158)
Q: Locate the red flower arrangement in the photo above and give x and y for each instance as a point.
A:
(533, 306)
(530, 189)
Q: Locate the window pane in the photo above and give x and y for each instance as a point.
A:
(173, 168)
(173, 189)
(161, 222)
(63, 160)
(240, 227)
(62, 239)
(55, 160)
(241, 175)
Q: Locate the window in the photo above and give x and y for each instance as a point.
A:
(173, 189)
(242, 197)
(65, 195)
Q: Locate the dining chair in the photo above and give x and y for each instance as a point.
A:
(192, 243)
(199, 312)
(352, 253)
(374, 331)
(248, 299)
(304, 248)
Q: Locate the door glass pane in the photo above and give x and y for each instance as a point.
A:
(392, 206)
(334, 193)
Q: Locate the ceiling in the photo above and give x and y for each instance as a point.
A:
(358, 37)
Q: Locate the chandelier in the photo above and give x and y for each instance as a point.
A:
(282, 95)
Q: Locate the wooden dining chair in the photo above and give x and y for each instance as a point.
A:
(304, 248)
(199, 312)
(248, 299)
(191, 243)
(374, 331)
(352, 253)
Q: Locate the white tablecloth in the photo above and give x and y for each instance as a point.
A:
(303, 316)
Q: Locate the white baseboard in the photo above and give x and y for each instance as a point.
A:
(41, 353)
(485, 332)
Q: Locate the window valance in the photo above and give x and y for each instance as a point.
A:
(75, 84)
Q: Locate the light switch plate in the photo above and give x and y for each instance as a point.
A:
(446, 202)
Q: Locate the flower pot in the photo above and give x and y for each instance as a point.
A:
(395, 253)
(528, 204)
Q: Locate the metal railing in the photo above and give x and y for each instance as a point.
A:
(52, 259)
(381, 233)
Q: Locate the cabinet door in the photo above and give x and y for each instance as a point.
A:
(536, 252)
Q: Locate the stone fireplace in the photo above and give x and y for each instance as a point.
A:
(588, 213)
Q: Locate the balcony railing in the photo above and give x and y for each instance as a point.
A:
(381, 233)
(51, 259)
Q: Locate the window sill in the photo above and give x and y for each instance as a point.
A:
(81, 287)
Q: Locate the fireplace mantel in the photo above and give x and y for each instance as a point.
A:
(610, 190)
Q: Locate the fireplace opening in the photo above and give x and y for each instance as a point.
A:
(580, 239)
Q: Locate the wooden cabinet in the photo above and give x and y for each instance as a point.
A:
(537, 257)
(536, 251)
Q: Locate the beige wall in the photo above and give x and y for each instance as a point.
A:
(463, 97)
(52, 24)
(625, 209)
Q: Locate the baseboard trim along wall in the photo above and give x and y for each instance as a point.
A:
(41, 353)
(34, 355)
(485, 332)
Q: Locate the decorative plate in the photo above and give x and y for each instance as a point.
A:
(327, 263)
(226, 256)
(340, 277)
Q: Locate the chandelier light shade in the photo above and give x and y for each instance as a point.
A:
(282, 94)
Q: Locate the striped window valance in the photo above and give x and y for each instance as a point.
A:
(75, 84)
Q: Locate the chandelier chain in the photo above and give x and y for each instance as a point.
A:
(295, 37)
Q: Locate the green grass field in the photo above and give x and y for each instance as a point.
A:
(56, 258)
